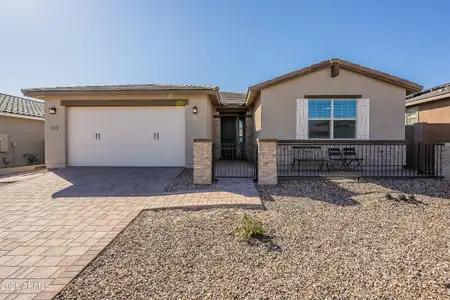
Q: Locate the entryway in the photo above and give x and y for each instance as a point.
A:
(235, 156)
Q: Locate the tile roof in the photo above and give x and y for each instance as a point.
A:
(410, 86)
(227, 98)
(21, 106)
(123, 87)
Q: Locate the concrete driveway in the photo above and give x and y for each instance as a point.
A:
(54, 224)
(115, 182)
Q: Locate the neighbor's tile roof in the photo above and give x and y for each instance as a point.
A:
(227, 98)
(21, 106)
(435, 93)
(124, 87)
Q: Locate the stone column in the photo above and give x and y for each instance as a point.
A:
(249, 137)
(217, 135)
(203, 160)
(267, 161)
(446, 161)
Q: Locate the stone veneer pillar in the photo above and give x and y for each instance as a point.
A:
(267, 161)
(250, 147)
(446, 161)
(248, 129)
(217, 135)
(203, 161)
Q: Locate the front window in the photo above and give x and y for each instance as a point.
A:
(411, 116)
(332, 119)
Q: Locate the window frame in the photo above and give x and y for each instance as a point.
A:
(332, 118)
(414, 110)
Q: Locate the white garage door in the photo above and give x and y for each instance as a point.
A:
(126, 136)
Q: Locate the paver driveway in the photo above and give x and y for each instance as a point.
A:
(53, 225)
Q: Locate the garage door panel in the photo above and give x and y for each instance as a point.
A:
(126, 136)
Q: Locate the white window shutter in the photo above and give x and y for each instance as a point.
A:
(363, 121)
(302, 119)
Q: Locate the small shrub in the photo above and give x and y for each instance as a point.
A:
(31, 158)
(412, 197)
(402, 197)
(388, 196)
(5, 162)
(249, 227)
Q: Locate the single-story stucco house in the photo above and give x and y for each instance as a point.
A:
(155, 124)
(21, 131)
(428, 115)
(430, 106)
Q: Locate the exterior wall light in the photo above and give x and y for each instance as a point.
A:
(52, 110)
(195, 110)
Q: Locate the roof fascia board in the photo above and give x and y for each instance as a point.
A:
(41, 94)
(430, 99)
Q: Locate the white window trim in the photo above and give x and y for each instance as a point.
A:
(331, 119)
(414, 110)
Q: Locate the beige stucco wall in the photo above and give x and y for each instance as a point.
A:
(198, 125)
(257, 128)
(211, 109)
(435, 111)
(387, 103)
(28, 135)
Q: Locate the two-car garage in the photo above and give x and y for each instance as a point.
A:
(126, 136)
(143, 125)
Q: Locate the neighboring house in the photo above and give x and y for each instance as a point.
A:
(21, 131)
(428, 115)
(429, 106)
(154, 124)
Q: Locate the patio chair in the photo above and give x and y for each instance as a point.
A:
(335, 157)
(350, 157)
(308, 154)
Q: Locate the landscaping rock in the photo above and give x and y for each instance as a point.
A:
(325, 240)
(184, 182)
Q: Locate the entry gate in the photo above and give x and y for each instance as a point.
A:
(233, 161)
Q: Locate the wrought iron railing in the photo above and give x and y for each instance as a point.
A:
(358, 159)
(232, 160)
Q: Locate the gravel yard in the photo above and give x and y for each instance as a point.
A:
(326, 240)
(184, 183)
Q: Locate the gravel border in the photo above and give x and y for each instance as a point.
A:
(341, 191)
(325, 240)
(184, 182)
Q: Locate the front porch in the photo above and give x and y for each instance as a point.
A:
(272, 159)
(358, 159)
(234, 153)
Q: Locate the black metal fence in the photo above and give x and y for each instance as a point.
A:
(232, 160)
(358, 159)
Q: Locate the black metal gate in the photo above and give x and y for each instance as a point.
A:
(233, 161)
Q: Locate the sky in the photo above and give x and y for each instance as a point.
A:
(232, 44)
